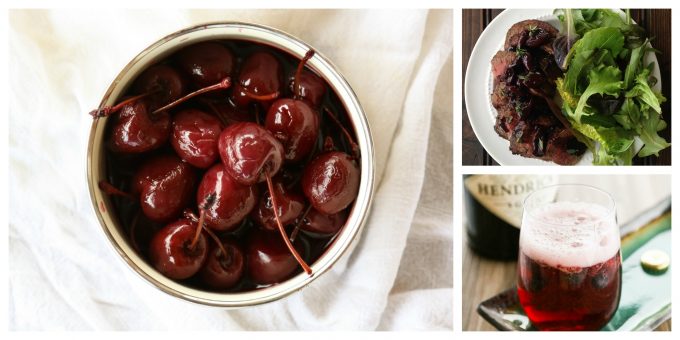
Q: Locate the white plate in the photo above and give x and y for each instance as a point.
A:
(479, 85)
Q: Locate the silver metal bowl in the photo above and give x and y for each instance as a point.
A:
(105, 211)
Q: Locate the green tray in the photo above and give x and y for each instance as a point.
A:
(645, 298)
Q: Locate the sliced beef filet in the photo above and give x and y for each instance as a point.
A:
(506, 120)
(500, 63)
(550, 143)
(524, 84)
(500, 96)
(530, 33)
(522, 138)
(563, 147)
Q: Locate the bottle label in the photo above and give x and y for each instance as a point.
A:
(503, 195)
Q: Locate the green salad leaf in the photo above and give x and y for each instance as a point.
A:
(601, 80)
(649, 135)
(599, 46)
(644, 93)
(607, 90)
(633, 64)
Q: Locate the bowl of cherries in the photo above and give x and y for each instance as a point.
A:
(230, 164)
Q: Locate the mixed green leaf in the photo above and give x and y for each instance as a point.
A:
(607, 90)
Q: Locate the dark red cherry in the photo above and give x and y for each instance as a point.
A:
(268, 258)
(296, 125)
(293, 121)
(321, 224)
(161, 80)
(311, 88)
(136, 130)
(331, 181)
(290, 206)
(224, 266)
(171, 251)
(233, 201)
(249, 152)
(194, 137)
(206, 63)
(141, 230)
(258, 81)
(165, 185)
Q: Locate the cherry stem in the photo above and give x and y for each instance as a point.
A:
(328, 144)
(216, 239)
(275, 207)
(216, 112)
(350, 139)
(293, 235)
(111, 190)
(133, 227)
(298, 73)
(209, 201)
(263, 97)
(199, 227)
(108, 110)
(188, 214)
(224, 84)
(257, 114)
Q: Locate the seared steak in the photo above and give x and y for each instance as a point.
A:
(530, 33)
(522, 72)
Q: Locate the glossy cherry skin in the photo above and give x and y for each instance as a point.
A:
(165, 185)
(290, 205)
(164, 81)
(194, 137)
(135, 130)
(233, 201)
(268, 259)
(312, 88)
(223, 271)
(321, 224)
(331, 182)
(206, 63)
(249, 152)
(170, 252)
(296, 125)
(260, 75)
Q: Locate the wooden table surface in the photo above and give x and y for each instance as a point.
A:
(657, 22)
(482, 279)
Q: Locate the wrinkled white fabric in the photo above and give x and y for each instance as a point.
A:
(65, 275)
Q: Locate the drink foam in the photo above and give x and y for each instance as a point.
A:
(569, 234)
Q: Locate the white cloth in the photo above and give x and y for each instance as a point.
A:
(64, 275)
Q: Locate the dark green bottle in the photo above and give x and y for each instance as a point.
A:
(493, 206)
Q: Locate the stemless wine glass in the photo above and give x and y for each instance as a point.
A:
(569, 260)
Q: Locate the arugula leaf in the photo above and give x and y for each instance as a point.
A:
(626, 157)
(629, 115)
(612, 139)
(615, 140)
(580, 57)
(609, 18)
(645, 93)
(633, 64)
(653, 142)
(602, 80)
(588, 19)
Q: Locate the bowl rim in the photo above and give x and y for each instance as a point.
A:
(223, 30)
